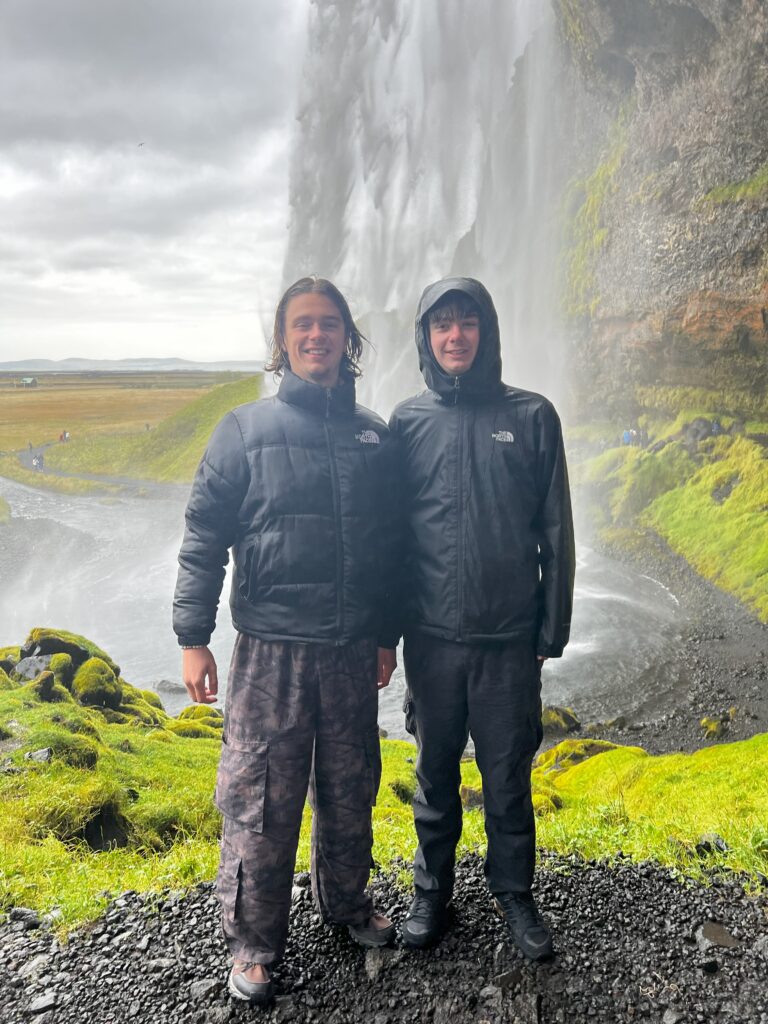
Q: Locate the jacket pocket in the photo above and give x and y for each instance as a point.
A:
(410, 714)
(241, 782)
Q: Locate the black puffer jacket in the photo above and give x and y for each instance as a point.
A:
(490, 552)
(300, 486)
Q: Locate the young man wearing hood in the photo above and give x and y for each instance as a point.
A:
(488, 589)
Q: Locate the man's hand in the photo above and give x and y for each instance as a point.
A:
(198, 665)
(387, 662)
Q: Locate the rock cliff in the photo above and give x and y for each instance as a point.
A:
(666, 248)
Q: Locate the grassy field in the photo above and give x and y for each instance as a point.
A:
(92, 404)
(168, 454)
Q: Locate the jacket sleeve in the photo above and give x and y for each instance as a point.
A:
(220, 484)
(391, 533)
(554, 527)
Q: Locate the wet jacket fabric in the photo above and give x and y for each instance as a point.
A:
(299, 485)
(489, 534)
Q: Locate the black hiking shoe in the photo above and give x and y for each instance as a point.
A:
(527, 927)
(425, 921)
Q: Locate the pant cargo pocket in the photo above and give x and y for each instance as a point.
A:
(241, 782)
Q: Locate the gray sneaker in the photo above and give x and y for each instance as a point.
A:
(370, 936)
(258, 993)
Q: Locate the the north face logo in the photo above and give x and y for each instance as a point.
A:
(368, 437)
(503, 435)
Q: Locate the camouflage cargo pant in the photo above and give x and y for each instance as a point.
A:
(297, 715)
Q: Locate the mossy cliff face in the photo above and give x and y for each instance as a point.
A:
(666, 233)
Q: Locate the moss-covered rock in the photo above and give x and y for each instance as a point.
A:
(76, 751)
(63, 669)
(6, 683)
(713, 728)
(192, 729)
(76, 720)
(58, 641)
(558, 721)
(569, 753)
(96, 684)
(152, 698)
(202, 713)
(45, 688)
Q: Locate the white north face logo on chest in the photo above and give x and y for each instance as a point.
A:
(505, 436)
(368, 437)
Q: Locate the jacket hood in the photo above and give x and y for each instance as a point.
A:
(484, 376)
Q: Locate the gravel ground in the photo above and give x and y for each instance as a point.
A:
(722, 662)
(632, 944)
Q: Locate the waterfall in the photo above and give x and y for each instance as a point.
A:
(426, 145)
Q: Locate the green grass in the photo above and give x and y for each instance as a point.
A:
(5, 511)
(658, 807)
(725, 401)
(168, 454)
(159, 787)
(725, 540)
(12, 469)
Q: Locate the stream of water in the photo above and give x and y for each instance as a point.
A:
(106, 568)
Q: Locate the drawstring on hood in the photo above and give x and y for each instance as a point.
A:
(483, 378)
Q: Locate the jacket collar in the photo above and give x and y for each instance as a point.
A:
(483, 379)
(327, 402)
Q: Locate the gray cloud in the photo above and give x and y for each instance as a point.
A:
(143, 165)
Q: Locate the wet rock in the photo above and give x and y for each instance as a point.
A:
(375, 961)
(471, 798)
(34, 966)
(42, 1004)
(710, 843)
(204, 989)
(42, 755)
(29, 918)
(712, 934)
(30, 668)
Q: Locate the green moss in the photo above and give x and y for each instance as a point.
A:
(6, 683)
(558, 720)
(54, 641)
(192, 730)
(723, 538)
(45, 688)
(62, 668)
(753, 188)
(713, 728)
(202, 713)
(152, 699)
(95, 684)
(5, 512)
(569, 753)
(77, 751)
(702, 401)
(586, 233)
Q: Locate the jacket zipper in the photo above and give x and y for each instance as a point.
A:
(337, 519)
(459, 512)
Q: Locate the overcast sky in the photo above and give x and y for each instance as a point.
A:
(143, 174)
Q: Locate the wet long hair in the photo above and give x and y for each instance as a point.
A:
(353, 349)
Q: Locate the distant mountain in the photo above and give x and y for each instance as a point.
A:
(75, 365)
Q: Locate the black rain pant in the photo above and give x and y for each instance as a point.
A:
(491, 692)
(297, 715)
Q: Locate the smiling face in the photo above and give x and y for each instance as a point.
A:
(454, 335)
(314, 338)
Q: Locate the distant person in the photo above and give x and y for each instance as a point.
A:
(300, 486)
(487, 591)
(626, 437)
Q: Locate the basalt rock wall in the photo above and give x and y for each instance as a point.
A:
(665, 268)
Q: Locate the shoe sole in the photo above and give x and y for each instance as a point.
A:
(375, 941)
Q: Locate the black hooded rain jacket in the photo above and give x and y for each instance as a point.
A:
(489, 534)
(300, 487)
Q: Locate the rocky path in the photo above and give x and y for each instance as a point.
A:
(720, 668)
(633, 944)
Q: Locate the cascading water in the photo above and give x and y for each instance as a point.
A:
(425, 147)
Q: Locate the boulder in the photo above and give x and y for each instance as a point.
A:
(558, 721)
(30, 668)
(96, 684)
(59, 641)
